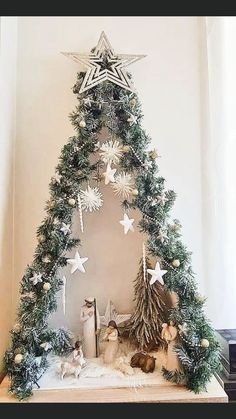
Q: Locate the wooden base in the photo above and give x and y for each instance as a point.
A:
(163, 393)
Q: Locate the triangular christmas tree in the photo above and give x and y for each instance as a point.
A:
(106, 101)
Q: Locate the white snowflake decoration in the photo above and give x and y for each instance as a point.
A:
(123, 185)
(111, 151)
(91, 199)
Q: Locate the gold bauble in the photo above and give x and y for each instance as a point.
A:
(41, 238)
(126, 148)
(82, 124)
(46, 286)
(17, 328)
(205, 343)
(175, 263)
(135, 192)
(71, 202)
(51, 204)
(18, 358)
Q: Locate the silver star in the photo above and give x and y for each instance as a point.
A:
(46, 346)
(57, 178)
(65, 228)
(111, 314)
(36, 278)
(77, 263)
(103, 64)
(183, 328)
(161, 199)
(162, 236)
(109, 174)
(127, 223)
(132, 119)
(156, 274)
(87, 101)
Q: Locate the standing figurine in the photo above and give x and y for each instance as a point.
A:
(169, 334)
(112, 347)
(91, 325)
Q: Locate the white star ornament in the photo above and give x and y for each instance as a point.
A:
(77, 263)
(156, 274)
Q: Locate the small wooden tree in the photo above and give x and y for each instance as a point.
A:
(150, 312)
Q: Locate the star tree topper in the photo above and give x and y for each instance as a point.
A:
(103, 64)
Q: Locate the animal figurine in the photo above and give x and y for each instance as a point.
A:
(144, 361)
(74, 365)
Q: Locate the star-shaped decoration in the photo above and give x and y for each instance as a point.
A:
(147, 165)
(127, 223)
(46, 346)
(103, 64)
(111, 314)
(36, 278)
(132, 119)
(183, 328)
(57, 178)
(162, 236)
(87, 101)
(109, 174)
(77, 263)
(156, 274)
(161, 199)
(65, 229)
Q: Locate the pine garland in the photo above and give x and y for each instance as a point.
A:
(109, 109)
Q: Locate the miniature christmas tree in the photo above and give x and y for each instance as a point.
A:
(108, 137)
(151, 310)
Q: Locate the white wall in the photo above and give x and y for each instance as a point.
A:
(168, 81)
(8, 43)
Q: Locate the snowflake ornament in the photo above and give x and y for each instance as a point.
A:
(111, 151)
(123, 185)
(91, 199)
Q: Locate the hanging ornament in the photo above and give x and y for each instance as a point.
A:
(144, 262)
(183, 328)
(64, 295)
(111, 151)
(153, 154)
(57, 178)
(46, 286)
(91, 199)
(161, 199)
(156, 274)
(41, 238)
(65, 229)
(71, 202)
(80, 214)
(126, 148)
(127, 223)
(134, 192)
(18, 358)
(123, 185)
(82, 124)
(132, 119)
(109, 174)
(204, 343)
(87, 102)
(36, 278)
(162, 236)
(77, 263)
(17, 328)
(175, 263)
(46, 259)
(46, 346)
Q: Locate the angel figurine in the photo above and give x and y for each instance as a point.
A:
(169, 334)
(111, 335)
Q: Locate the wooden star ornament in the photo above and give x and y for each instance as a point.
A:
(103, 64)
